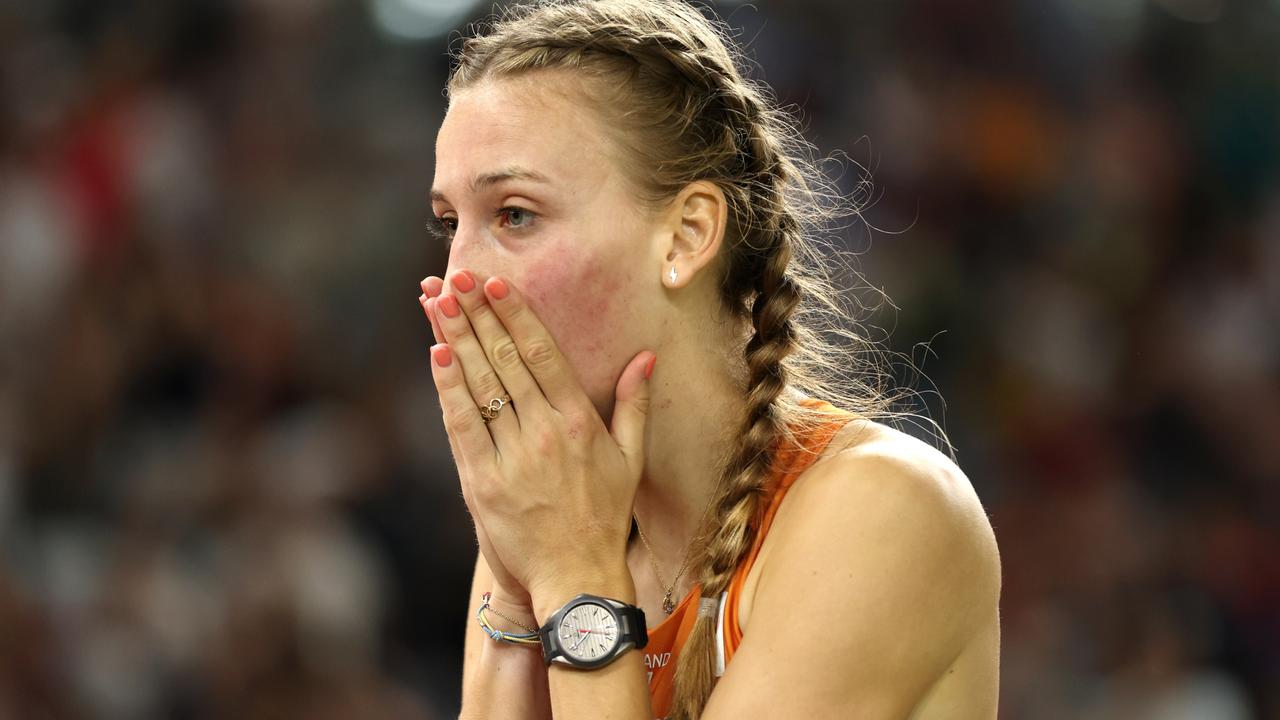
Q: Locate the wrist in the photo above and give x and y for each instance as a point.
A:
(549, 597)
(520, 608)
(510, 615)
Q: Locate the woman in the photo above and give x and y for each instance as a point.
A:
(632, 383)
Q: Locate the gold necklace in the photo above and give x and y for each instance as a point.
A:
(668, 605)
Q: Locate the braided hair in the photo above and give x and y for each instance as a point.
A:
(683, 110)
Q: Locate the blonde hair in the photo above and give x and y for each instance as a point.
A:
(686, 112)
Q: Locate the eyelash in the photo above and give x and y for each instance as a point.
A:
(443, 228)
(440, 229)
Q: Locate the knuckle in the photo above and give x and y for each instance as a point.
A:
(450, 381)
(540, 354)
(506, 355)
(458, 330)
(462, 420)
(576, 425)
(545, 441)
(487, 383)
(515, 312)
(484, 489)
(482, 311)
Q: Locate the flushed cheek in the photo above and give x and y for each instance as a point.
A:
(581, 301)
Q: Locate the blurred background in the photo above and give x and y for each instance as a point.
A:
(224, 487)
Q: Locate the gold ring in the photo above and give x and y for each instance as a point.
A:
(490, 411)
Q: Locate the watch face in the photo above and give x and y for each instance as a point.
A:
(588, 632)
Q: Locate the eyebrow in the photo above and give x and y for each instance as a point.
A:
(490, 179)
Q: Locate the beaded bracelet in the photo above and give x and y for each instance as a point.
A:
(527, 639)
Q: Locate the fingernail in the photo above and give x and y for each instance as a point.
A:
(463, 281)
(422, 298)
(448, 304)
(442, 355)
(648, 367)
(497, 288)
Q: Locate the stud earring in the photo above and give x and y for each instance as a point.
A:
(672, 275)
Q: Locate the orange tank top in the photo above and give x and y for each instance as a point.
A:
(668, 636)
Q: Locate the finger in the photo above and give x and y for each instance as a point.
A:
(540, 353)
(464, 484)
(499, 348)
(434, 317)
(426, 302)
(431, 287)
(467, 432)
(631, 410)
(483, 383)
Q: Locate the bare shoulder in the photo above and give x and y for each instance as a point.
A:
(878, 479)
(866, 448)
(884, 545)
(875, 458)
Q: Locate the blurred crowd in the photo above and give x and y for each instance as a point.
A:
(225, 490)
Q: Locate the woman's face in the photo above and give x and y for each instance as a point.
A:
(529, 186)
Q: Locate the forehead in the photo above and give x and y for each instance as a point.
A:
(537, 121)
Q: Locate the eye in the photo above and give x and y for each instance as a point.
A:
(443, 228)
(515, 217)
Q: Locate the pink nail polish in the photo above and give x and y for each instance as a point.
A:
(463, 281)
(497, 288)
(648, 367)
(442, 355)
(448, 304)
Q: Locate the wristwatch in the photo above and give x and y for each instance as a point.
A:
(590, 631)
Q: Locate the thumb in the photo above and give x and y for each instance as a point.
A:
(631, 409)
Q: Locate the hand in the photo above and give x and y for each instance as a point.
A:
(551, 486)
(506, 587)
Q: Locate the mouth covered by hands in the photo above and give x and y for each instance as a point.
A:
(549, 487)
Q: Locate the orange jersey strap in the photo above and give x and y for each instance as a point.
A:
(666, 638)
(792, 460)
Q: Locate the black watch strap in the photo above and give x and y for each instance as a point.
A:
(632, 632)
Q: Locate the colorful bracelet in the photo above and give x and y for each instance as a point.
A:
(529, 639)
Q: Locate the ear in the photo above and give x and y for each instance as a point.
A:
(693, 231)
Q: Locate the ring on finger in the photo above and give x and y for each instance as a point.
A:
(490, 412)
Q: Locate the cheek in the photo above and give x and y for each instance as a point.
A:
(582, 303)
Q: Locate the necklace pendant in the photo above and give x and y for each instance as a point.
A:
(667, 605)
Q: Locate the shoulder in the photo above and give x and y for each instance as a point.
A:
(881, 491)
(884, 569)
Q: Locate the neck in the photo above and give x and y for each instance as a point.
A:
(695, 410)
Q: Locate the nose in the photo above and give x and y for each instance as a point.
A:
(470, 255)
(464, 252)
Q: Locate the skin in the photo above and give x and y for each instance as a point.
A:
(592, 263)
(884, 544)
(577, 281)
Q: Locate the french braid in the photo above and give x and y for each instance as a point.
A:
(687, 113)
